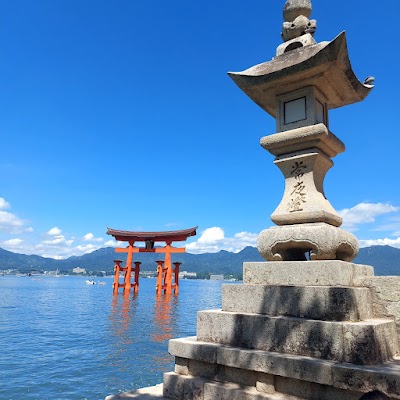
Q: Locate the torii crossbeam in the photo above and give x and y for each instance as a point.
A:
(165, 272)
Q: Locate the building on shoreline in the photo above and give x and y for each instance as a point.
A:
(79, 270)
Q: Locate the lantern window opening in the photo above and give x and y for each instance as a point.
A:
(295, 110)
(301, 107)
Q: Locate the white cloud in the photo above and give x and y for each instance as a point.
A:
(54, 243)
(3, 204)
(61, 247)
(380, 242)
(213, 240)
(56, 231)
(114, 243)
(211, 235)
(56, 240)
(13, 242)
(365, 213)
(87, 248)
(10, 223)
(89, 237)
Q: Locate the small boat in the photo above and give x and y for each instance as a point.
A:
(90, 282)
(101, 283)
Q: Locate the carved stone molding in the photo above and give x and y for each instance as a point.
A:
(320, 240)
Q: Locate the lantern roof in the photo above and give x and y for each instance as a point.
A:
(325, 65)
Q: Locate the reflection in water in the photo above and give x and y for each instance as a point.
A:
(165, 328)
(165, 318)
(121, 318)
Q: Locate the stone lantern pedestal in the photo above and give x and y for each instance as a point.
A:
(307, 223)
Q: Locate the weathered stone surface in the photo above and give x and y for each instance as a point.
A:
(385, 378)
(149, 393)
(369, 342)
(181, 387)
(203, 369)
(174, 385)
(314, 302)
(188, 347)
(297, 28)
(279, 334)
(287, 365)
(231, 391)
(296, 14)
(311, 391)
(181, 366)
(321, 240)
(265, 383)
(242, 377)
(299, 336)
(346, 376)
(386, 297)
(301, 41)
(294, 8)
(310, 273)
(304, 200)
(305, 66)
(191, 348)
(298, 367)
(314, 136)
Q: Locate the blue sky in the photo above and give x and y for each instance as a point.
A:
(120, 114)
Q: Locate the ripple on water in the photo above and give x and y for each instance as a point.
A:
(62, 339)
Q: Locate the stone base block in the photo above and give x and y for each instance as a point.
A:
(385, 378)
(231, 391)
(321, 240)
(300, 374)
(386, 298)
(369, 342)
(183, 387)
(310, 273)
(313, 302)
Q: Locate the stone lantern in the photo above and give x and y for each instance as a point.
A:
(325, 328)
(298, 87)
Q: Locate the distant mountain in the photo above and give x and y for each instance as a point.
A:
(385, 260)
(9, 260)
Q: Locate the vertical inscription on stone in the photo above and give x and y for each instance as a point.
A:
(298, 195)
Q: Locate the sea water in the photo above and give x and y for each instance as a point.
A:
(63, 339)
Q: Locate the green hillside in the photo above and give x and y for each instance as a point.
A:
(385, 260)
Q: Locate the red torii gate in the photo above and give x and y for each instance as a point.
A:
(165, 272)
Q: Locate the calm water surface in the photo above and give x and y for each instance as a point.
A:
(63, 339)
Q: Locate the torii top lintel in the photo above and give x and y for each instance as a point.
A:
(167, 236)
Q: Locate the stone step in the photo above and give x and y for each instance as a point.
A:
(231, 391)
(199, 358)
(313, 302)
(369, 342)
(306, 273)
(178, 387)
